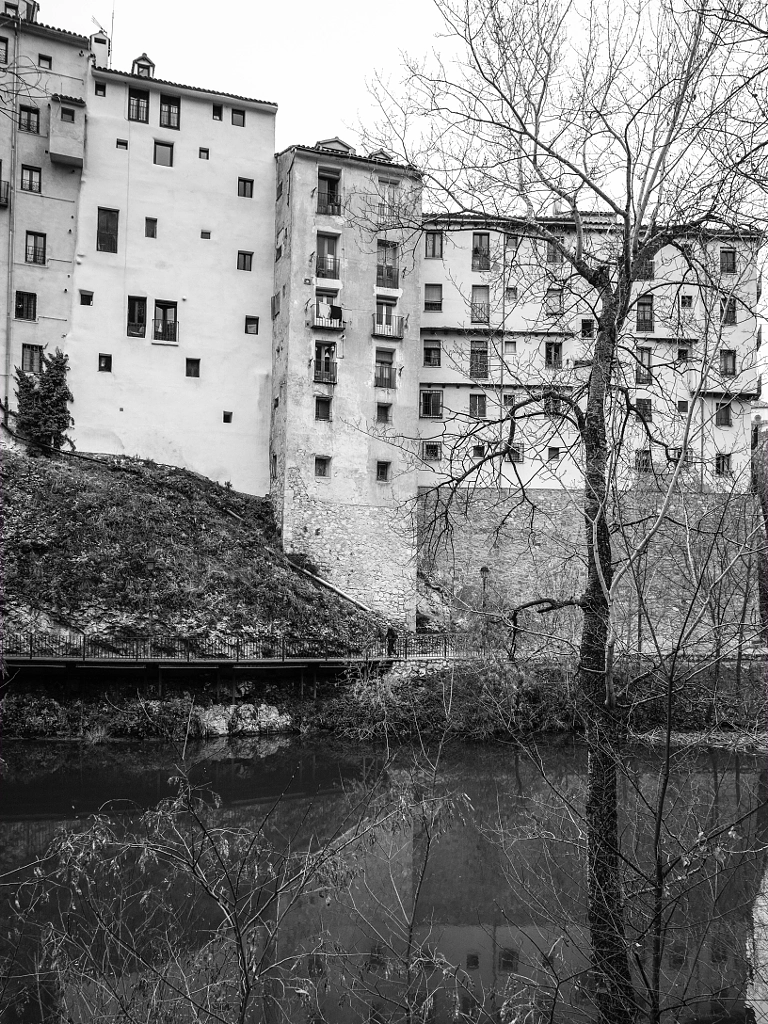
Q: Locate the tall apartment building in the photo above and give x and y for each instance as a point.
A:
(346, 343)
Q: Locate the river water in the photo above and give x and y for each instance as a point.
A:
(358, 884)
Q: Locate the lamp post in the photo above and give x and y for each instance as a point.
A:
(484, 574)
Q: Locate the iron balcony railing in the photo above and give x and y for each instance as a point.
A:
(29, 123)
(387, 214)
(645, 324)
(326, 315)
(35, 254)
(329, 203)
(387, 276)
(106, 241)
(325, 371)
(481, 259)
(328, 266)
(433, 305)
(480, 312)
(478, 366)
(30, 185)
(727, 369)
(137, 330)
(389, 327)
(385, 376)
(165, 330)
(5, 192)
(642, 375)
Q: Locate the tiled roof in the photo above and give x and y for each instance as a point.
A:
(326, 151)
(180, 85)
(24, 24)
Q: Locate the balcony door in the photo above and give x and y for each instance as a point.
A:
(326, 256)
(165, 321)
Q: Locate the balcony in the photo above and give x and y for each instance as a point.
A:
(385, 376)
(325, 371)
(327, 316)
(328, 266)
(329, 203)
(478, 366)
(136, 330)
(387, 215)
(481, 259)
(5, 192)
(106, 242)
(480, 312)
(165, 330)
(387, 276)
(390, 327)
(35, 254)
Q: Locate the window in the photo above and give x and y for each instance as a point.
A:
(86, 298)
(166, 327)
(245, 188)
(164, 154)
(510, 346)
(727, 261)
(31, 180)
(684, 455)
(328, 192)
(433, 297)
(431, 451)
(226, 416)
(274, 303)
(554, 255)
(510, 293)
(431, 405)
(478, 359)
(682, 355)
(138, 105)
(238, 118)
(728, 362)
(170, 112)
(553, 355)
(432, 352)
(44, 62)
(326, 263)
(643, 366)
(434, 245)
(686, 302)
(552, 406)
(322, 466)
(382, 472)
(325, 363)
(481, 251)
(387, 323)
(12, 10)
(100, 89)
(553, 301)
(645, 269)
(388, 202)
(322, 408)
(477, 406)
(480, 305)
(722, 464)
(645, 319)
(643, 409)
(68, 114)
(204, 154)
(587, 328)
(722, 413)
(150, 227)
(121, 143)
(3, 50)
(106, 230)
(728, 310)
(383, 413)
(508, 958)
(387, 273)
(682, 406)
(251, 325)
(35, 248)
(643, 462)
(192, 367)
(385, 375)
(105, 362)
(515, 452)
(26, 306)
(137, 316)
(244, 260)
(473, 961)
(218, 112)
(29, 120)
(32, 358)
(478, 451)
(205, 234)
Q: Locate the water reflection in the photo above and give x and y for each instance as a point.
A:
(462, 893)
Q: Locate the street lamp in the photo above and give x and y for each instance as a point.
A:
(484, 574)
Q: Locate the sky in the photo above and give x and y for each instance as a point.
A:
(312, 61)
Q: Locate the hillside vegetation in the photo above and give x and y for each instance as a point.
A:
(120, 547)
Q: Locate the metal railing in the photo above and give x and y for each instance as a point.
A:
(5, 192)
(165, 330)
(478, 366)
(387, 276)
(481, 259)
(479, 312)
(329, 203)
(642, 375)
(385, 376)
(29, 123)
(334, 319)
(645, 324)
(390, 327)
(31, 185)
(325, 371)
(328, 266)
(433, 305)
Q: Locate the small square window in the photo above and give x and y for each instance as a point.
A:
(478, 451)
(105, 362)
(722, 464)
(193, 367)
(32, 358)
(238, 118)
(251, 325)
(510, 346)
(383, 413)
(510, 293)
(682, 406)
(431, 451)
(100, 88)
(686, 302)
(682, 355)
(150, 227)
(477, 406)
(553, 454)
(226, 416)
(244, 260)
(121, 143)
(205, 234)
(68, 115)
(44, 62)
(245, 187)
(432, 352)
(515, 453)
(509, 958)
(31, 180)
(322, 466)
(644, 409)
(382, 472)
(473, 961)
(164, 154)
(322, 408)
(86, 298)
(26, 306)
(723, 416)
(587, 328)
(204, 154)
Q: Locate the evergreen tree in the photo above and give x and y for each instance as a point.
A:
(43, 403)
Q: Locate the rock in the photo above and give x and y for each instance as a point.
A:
(249, 720)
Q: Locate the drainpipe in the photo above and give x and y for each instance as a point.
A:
(11, 228)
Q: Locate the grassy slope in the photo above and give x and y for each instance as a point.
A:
(77, 535)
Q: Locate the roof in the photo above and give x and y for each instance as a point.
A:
(68, 99)
(338, 155)
(179, 85)
(42, 29)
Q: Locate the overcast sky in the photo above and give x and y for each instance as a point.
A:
(312, 61)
